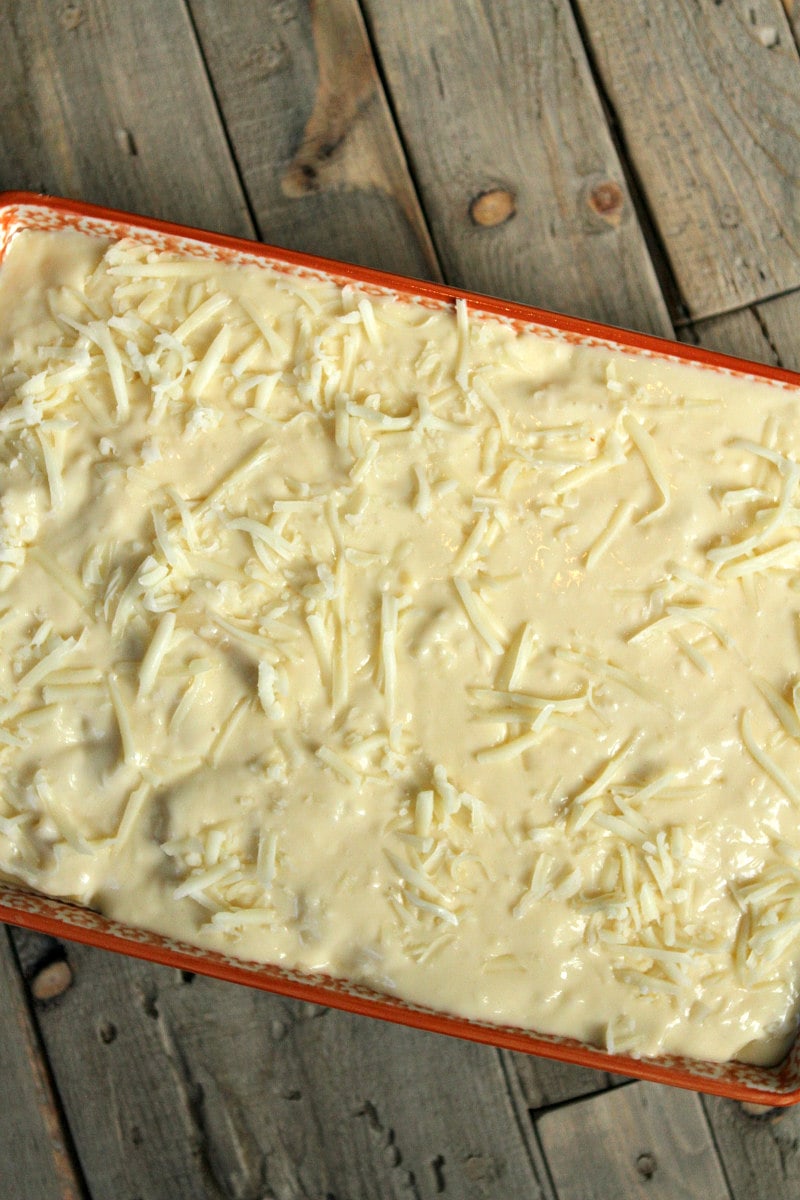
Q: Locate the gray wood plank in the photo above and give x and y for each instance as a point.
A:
(765, 332)
(761, 1151)
(780, 321)
(397, 1110)
(707, 96)
(514, 161)
(309, 123)
(210, 1090)
(35, 1157)
(641, 1138)
(793, 15)
(544, 1082)
(109, 102)
(133, 1121)
(740, 333)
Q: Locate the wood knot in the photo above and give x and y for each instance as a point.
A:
(53, 980)
(493, 207)
(70, 16)
(607, 200)
(264, 59)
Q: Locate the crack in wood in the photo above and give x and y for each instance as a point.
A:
(56, 1147)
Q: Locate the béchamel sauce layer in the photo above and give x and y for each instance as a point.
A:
(403, 644)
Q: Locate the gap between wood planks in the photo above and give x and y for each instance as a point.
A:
(667, 280)
(528, 1133)
(390, 104)
(67, 1173)
(300, 97)
(792, 10)
(251, 212)
(751, 306)
(712, 1133)
(552, 1106)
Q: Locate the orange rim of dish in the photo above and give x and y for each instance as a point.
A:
(770, 1086)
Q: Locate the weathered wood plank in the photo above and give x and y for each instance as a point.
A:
(132, 1120)
(543, 1082)
(309, 123)
(109, 102)
(780, 321)
(634, 1138)
(707, 96)
(35, 1157)
(765, 332)
(359, 1083)
(793, 14)
(760, 1148)
(209, 1090)
(515, 164)
(761, 1152)
(740, 333)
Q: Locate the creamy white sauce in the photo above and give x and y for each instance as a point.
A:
(394, 642)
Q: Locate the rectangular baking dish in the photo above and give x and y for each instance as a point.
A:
(773, 1086)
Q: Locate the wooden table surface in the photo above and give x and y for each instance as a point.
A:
(636, 161)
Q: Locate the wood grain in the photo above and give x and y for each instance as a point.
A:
(792, 11)
(213, 1090)
(35, 1158)
(638, 1139)
(498, 99)
(707, 96)
(765, 332)
(544, 1082)
(311, 129)
(109, 102)
(739, 333)
(761, 1152)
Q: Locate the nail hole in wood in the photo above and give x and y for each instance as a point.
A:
(646, 1166)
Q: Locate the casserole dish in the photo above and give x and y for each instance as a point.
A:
(772, 1086)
